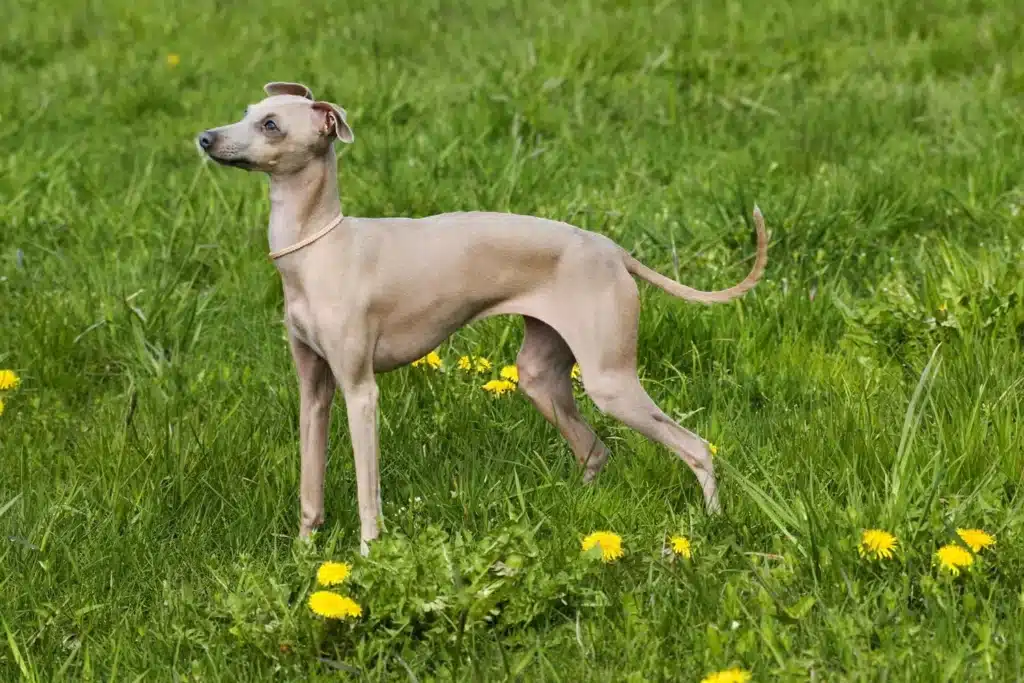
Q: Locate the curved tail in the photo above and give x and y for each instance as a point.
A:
(718, 296)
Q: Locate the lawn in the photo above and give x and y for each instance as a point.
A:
(872, 380)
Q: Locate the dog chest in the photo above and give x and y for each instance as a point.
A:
(300, 322)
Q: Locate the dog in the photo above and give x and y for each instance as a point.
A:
(364, 296)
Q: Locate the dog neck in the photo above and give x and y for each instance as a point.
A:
(303, 202)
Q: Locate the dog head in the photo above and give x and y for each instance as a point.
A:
(280, 134)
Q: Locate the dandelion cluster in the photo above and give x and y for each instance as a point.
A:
(509, 380)
(477, 364)
(510, 373)
(734, 675)
(329, 604)
(952, 557)
(432, 360)
(9, 381)
(610, 545)
(877, 544)
(332, 573)
(499, 387)
(976, 539)
(506, 382)
(681, 546)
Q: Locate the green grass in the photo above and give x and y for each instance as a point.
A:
(149, 473)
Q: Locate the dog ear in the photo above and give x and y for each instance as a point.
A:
(334, 122)
(281, 88)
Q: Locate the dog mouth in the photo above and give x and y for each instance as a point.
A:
(233, 162)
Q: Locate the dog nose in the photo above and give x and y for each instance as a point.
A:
(206, 139)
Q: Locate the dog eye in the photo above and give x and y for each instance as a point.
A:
(269, 125)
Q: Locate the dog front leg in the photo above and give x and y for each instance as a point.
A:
(361, 405)
(316, 391)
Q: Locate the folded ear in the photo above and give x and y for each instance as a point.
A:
(333, 121)
(281, 88)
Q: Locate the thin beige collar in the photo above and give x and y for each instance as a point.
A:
(274, 255)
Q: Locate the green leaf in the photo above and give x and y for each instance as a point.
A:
(802, 608)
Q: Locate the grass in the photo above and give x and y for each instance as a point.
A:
(148, 487)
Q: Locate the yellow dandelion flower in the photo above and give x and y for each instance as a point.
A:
(976, 538)
(953, 557)
(9, 380)
(477, 364)
(713, 448)
(609, 543)
(431, 359)
(877, 544)
(734, 675)
(576, 374)
(681, 546)
(499, 386)
(332, 573)
(330, 605)
(173, 60)
(510, 372)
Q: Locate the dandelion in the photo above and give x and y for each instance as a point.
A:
(576, 374)
(477, 364)
(681, 546)
(330, 605)
(431, 359)
(609, 543)
(173, 60)
(976, 538)
(9, 380)
(499, 386)
(713, 448)
(953, 557)
(877, 543)
(510, 373)
(734, 675)
(332, 573)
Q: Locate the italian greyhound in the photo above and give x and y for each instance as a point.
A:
(363, 296)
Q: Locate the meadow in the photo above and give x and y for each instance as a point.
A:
(872, 381)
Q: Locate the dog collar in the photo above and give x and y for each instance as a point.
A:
(274, 255)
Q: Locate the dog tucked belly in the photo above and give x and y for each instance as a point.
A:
(415, 308)
(411, 332)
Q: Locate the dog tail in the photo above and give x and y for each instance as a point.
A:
(719, 295)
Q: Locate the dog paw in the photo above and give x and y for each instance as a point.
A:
(713, 507)
(594, 465)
